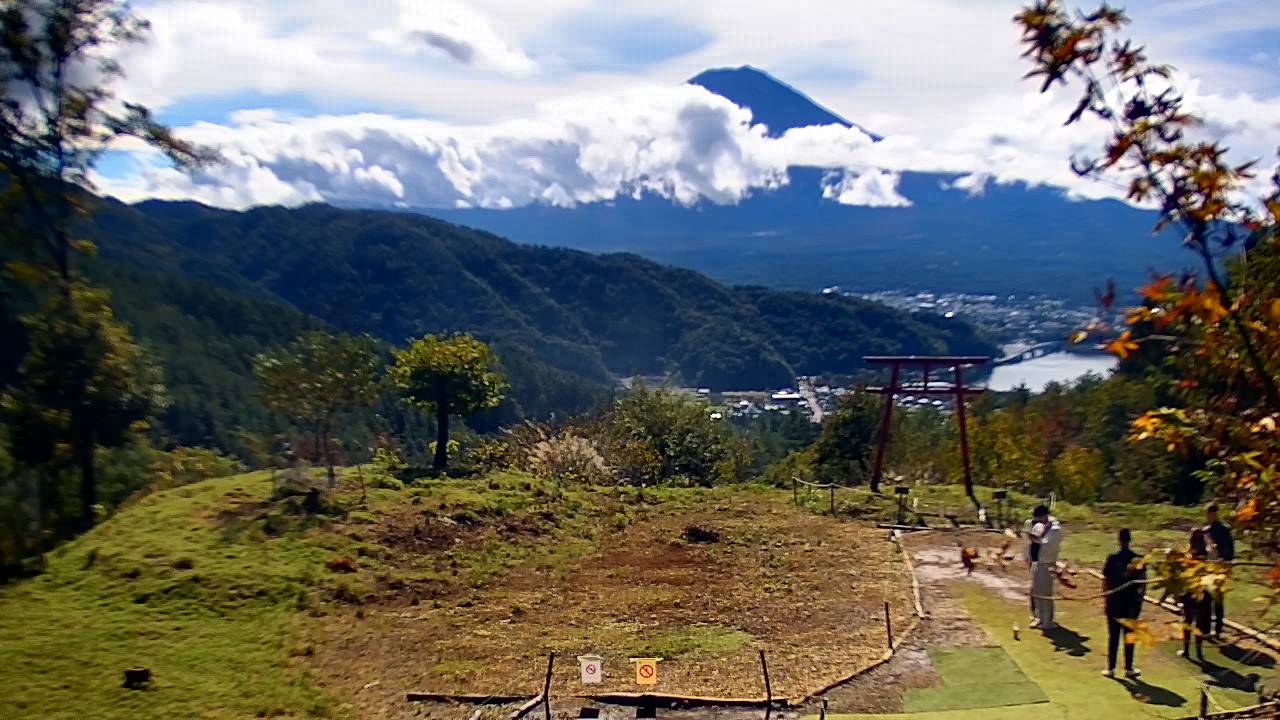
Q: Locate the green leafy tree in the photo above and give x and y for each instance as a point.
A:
(843, 451)
(451, 375)
(316, 380)
(57, 116)
(657, 437)
(84, 383)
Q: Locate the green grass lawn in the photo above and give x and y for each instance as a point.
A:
(1067, 672)
(161, 586)
(215, 587)
(999, 683)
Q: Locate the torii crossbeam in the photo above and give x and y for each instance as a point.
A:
(956, 388)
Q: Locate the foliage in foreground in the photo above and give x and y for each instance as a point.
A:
(1216, 333)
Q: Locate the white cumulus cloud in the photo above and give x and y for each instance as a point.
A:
(681, 142)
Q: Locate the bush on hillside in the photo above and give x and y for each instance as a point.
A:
(186, 465)
(657, 437)
(567, 458)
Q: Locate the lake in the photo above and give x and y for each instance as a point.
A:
(1055, 367)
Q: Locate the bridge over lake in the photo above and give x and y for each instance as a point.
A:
(1035, 351)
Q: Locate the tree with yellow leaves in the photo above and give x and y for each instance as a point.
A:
(1216, 333)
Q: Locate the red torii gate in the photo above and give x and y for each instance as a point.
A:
(956, 389)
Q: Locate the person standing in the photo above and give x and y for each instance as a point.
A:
(1124, 587)
(1197, 609)
(1046, 538)
(1026, 532)
(1220, 547)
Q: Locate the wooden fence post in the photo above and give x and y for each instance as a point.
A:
(546, 688)
(768, 688)
(888, 625)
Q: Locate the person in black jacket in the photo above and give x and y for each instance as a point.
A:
(1222, 548)
(1124, 587)
(1196, 607)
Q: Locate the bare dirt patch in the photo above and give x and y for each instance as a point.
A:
(947, 624)
(809, 590)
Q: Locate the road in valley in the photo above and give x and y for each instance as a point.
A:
(806, 391)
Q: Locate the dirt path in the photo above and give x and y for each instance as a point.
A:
(946, 624)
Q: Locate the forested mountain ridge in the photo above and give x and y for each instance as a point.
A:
(594, 317)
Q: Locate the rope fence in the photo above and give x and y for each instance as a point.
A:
(904, 515)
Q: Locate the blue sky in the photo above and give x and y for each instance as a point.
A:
(444, 91)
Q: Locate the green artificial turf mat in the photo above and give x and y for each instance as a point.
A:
(974, 678)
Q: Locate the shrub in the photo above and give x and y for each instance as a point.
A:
(490, 454)
(567, 458)
(186, 465)
(656, 436)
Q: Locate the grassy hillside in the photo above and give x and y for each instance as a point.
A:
(399, 275)
(165, 585)
(245, 606)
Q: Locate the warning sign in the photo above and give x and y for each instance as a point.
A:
(646, 670)
(592, 667)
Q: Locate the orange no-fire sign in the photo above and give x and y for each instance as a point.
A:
(646, 670)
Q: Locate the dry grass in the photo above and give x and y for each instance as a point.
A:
(616, 578)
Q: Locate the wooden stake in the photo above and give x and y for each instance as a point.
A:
(888, 624)
(546, 688)
(768, 688)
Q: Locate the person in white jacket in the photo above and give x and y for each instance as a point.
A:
(1046, 539)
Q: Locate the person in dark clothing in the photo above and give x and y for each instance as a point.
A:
(1222, 548)
(1124, 587)
(1196, 610)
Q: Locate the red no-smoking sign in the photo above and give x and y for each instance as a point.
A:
(592, 667)
(646, 670)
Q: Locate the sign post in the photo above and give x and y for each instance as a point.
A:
(592, 667)
(646, 670)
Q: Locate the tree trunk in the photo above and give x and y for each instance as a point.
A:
(88, 480)
(327, 449)
(442, 439)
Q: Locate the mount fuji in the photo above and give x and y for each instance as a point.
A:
(1011, 239)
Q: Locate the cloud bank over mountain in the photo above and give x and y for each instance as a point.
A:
(499, 103)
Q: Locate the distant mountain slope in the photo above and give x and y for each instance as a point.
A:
(203, 338)
(400, 275)
(1011, 239)
(778, 105)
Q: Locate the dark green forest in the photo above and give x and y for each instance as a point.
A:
(207, 290)
(399, 275)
